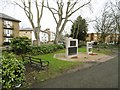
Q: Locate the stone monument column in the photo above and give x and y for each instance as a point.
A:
(71, 47)
(89, 47)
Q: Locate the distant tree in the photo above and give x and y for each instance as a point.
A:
(79, 29)
(105, 23)
(115, 11)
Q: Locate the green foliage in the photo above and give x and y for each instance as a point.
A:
(12, 71)
(45, 49)
(0, 69)
(79, 29)
(81, 43)
(20, 45)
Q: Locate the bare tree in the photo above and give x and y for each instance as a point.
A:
(27, 6)
(115, 7)
(116, 18)
(62, 14)
(105, 24)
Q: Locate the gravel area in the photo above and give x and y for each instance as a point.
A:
(84, 57)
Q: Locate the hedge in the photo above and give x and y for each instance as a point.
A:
(45, 49)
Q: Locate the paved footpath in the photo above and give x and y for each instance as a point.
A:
(102, 75)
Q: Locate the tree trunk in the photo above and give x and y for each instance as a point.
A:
(57, 37)
(118, 42)
(115, 41)
(102, 38)
(59, 31)
(56, 40)
(37, 36)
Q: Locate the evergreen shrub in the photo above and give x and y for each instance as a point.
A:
(12, 71)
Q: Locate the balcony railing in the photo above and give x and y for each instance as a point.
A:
(6, 35)
(7, 26)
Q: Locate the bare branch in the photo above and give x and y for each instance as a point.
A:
(73, 5)
(70, 21)
(42, 9)
(36, 4)
(79, 8)
(51, 12)
(67, 10)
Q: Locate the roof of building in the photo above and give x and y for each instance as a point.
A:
(26, 29)
(4, 16)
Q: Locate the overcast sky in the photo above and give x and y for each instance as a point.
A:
(47, 19)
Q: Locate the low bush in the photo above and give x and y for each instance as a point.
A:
(45, 49)
(12, 71)
(81, 43)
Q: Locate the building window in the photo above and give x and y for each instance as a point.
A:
(8, 32)
(7, 39)
(8, 23)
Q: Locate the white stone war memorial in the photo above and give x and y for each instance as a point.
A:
(71, 47)
(89, 48)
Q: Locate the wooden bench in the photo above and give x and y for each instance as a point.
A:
(42, 64)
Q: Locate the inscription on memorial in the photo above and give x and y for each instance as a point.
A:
(90, 45)
(72, 43)
(72, 51)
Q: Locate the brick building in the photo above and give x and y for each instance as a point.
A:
(9, 28)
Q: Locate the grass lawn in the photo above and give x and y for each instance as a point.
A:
(108, 50)
(56, 67)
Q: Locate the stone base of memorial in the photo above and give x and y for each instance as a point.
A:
(93, 54)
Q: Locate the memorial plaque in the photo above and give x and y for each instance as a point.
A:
(90, 45)
(89, 49)
(72, 51)
(72, 43)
